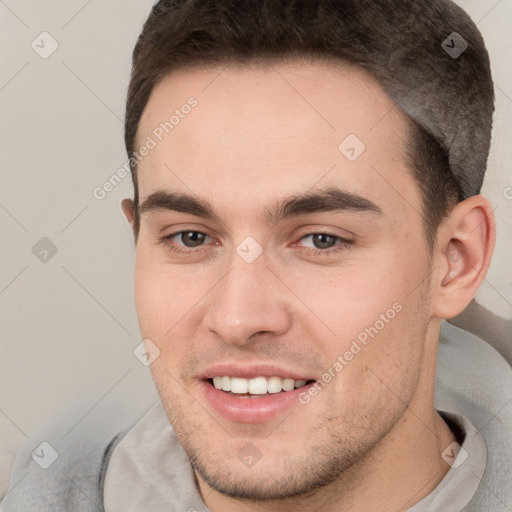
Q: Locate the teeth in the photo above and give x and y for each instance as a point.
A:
(239, 385)
(256, 386)
(226, 384)
(274, 384)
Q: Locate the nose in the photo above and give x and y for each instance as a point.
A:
(248, 301)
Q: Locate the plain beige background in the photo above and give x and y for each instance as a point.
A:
(68, 324)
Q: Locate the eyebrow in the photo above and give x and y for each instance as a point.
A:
(331, 199)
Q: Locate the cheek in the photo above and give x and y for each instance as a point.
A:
(170, 303)
(347, 299)
(150, 298)
(162, 296)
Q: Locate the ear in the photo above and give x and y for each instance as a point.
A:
(465, 242)
(127, 206)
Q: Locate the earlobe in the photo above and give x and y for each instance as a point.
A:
(464, 253)
(127, 206)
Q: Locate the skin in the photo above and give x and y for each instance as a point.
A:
(259, 134)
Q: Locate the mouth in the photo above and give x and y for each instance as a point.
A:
(255, 399)
(257, 387)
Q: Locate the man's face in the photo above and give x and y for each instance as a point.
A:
(337, 285)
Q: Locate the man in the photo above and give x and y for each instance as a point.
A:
(306, 213)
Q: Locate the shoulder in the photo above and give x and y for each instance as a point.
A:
(63, 469)
(67, 476)
(475, 381)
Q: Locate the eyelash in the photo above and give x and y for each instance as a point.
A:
(342, 245)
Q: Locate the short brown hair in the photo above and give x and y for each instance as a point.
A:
(449, 99)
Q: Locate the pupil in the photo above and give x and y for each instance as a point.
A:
(323, 241)
(192, 238)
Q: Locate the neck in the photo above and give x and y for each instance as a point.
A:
(399, 472)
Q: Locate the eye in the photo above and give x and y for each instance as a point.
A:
(188, 239)
(321, 240)
(324, 243)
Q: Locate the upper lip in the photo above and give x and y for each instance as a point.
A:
(252, 370)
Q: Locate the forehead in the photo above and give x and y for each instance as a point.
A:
(258, 129)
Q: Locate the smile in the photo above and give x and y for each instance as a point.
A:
(253, 400)
(257, 386)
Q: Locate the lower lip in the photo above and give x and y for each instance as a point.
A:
(251, 410)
